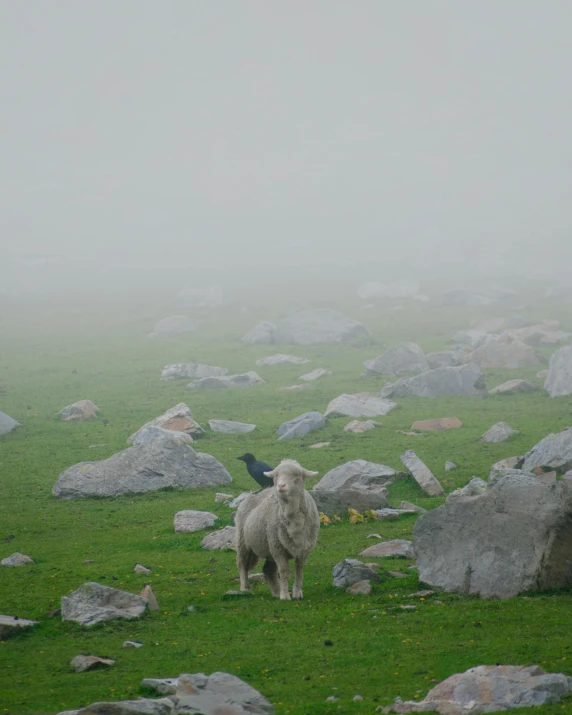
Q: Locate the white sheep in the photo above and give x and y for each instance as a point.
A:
(278, 524)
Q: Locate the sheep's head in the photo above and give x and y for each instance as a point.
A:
(289, 476)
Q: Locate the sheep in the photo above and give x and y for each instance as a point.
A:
(278, 524)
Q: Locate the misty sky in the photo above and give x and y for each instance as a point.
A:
(139, 131)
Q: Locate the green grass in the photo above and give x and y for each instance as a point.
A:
(51, 357)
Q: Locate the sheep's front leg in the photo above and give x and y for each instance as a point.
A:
(243, 564)
(283, 576)
(270, 574)
(297, 588)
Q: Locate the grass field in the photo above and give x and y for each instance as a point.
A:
(51, 356)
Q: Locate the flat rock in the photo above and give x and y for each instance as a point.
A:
(247, 379)
(552, 452)
(81, 410)
(390, 549)
(397, 574)
(359, 497)
(237, 501)
(322, 325)
(190, 520)
(132, 644)
(11, 624)
(219, 694)
(488, 688)
(507, 463)
(412, 507)
(449, 466)
(187, 370)
(295, 388)
(301, 425)
(166, 462)
(503, 478)
(80, 663)
(222, 497)
(319, 445)
(315, 374)
(174, 325)
(93, 603)
(463, 381)
(357, 471)
(559, 379)
(229, 427)
(7, 424)
(220, 540)
(141, 706)
(280, 359)
(141, 570)
(499, 432)
(437, 424)
(17, 559)
(358, 426)
(350, 571)
(148, 435)
(505, 351)
(474, 488)
(363, 404)
(421, 473)
(175, 419)
(405, 358)
(360, 588)
(512, 386)
(262, 334)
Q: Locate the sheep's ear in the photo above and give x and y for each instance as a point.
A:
(307, 474)
(270, 474)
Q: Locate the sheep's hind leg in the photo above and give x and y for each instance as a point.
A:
(270, 571)
(297, 588)
(283, 576)
(245, 560)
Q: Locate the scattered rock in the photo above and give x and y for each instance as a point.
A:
(397, 574)
(425, 593)
(175, 419)
(412, 507)
(319, 445)
(174, 325)
(142, 570)
(149, 596)
(356, 472)
(359, 497)
(503, 478)
(316, 374)
(421, 473)
(449, 466)
(512, 386)
(445, 358)
(507, 463)
(357, 698)
(89, 662)
(82, 410)
(179, 371)
(559, 379)
(390, 549)
(222, 497)
(17, 559)
(474, 488)
(322, 325)
(228, 427)
(360, 588)
(552, 452)
(132, 644)
(438, 424)
(279, 359)
(220, 540)
(10, 624)
(363, 404)
(301, 425)
(463, 381)
(405, 358)
(499, 432)
(358, 427)
(237, 501)
(93, 603)
(408, 607)
(351, 571)
(217, 693)
(190, 520)
(505, 351)
(262, 334)
(7, 424)
(248, 379)
(295, 388)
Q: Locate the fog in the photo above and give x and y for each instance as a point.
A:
(171, 144)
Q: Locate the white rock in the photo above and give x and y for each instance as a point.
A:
(190, 520)
(17, 559)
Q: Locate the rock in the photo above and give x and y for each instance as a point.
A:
(424, 593)
(294, 388)
(390, 549)
(174, 325)
(219, 693)
(141, 570)
(248, 379)
(319, 445)
(17, 559)
(402, 359)
(175, 419)
(262, 334)
(322, 325)
(507, 463)
(438, 424)
(7, 424)
(474, 488)
(545, 333)
(542, 373)
(397, 574)
(503, 478)
(211, 296)
(552, 452)
(141, 706)
(500, 553)
(149, 596)
(93, 603)
(359, 497)
(228, 427)
(82, 410)
(279, 359)
(167, 462)
(445, 358)
(567, 475)
(559, 379)
(421, 473)
(350, 571)
(470, 338)
(10, 624)
(449, 466)
(315, 374)
(301, 425)
(179, 371)
(505, 351)
(499, 432)
(488, 688)
(358, 427)
(88, 662)
(359, 698)
(362, 404)
(360, 588)
(163, 686)
(411, 507)
(490, 325)
(463, 381)
(463, 296)
(220, 540)
(132, 644)
(513, 386)
(356, 472)
(190, 520)
(148, 435)
(237, 501)
(222, 497)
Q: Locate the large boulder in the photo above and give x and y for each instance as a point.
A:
(174, 325)
(512, 538)
(358, 496)
(559, 379)
(322, 325)
(247, 379)
(301, 425)
(552, 452)
(463, 381)
(445, 358)
(175, 419)
(81, 410)
(262, 334)
(362, 404)
(402, 359)
(168, 461)
(7, 424)
(356, 472)
(182, 370)
(505, 351)
(93, 603)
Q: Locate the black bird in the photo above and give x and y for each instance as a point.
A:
(256, 469)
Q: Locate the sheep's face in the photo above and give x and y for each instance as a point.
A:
(289, 477)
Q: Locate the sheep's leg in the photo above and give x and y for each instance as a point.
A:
(270, 574)
(297, 588)
(283, 576)
(245, 560)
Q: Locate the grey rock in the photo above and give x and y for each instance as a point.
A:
(229, 427)
(247, 379)
(421, 473)
(220, 540)
(360, 588)
(445, 358)
(132, 644)
(175, 419)
(149, 596)
(512, 386)
(322, 325)
(488, 688)
(179, 371)
(295, 388)
(81, 663)
(552, 452)
(10, 624)
(449, 466)
(559, 379)
(507, 463)
(402, 359)
(411, 507)
(167, 462)
(174, 325)
(390, 549)
(301, 425)
(357, 471)
(164, 686)
(141, 706)
(470, 338)
(315, 374)
(141, 570)
(511, 477)
(350, 571)
(500, 553)
(505, 351)
(362, 404)
(280, 359)
(474, 488)
(437, 424)
(499, 432)
(148, 435)
(7, 424)
(222, 497)
(359, 497)
(190, 520)
(93, 603)
(262, 334)
(81, 410)
(219, 690)
(17, 559)
(463, 381)
(237, 501)
(358, 426)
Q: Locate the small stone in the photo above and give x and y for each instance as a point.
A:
(319, 445)
(148, 594)
(374, 566)
(408, 607)
(257, 577)
(389, 549)
(220, 540)
(438, 603)
(88, 662)
(438, 424)
(499, 432)
(358, 426)
(422, 594)
(357, 698)
(421, 473)
(132, 644)
(190, 520)
(143, 570)
(191, 609)
(221, 496)
(397, 574)
(295, 388)
(8, 624)
(386, 515)
(332, 699)
(360, 588)
(412, 507)
(374, 536)
(17, 559)
(449, 466)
